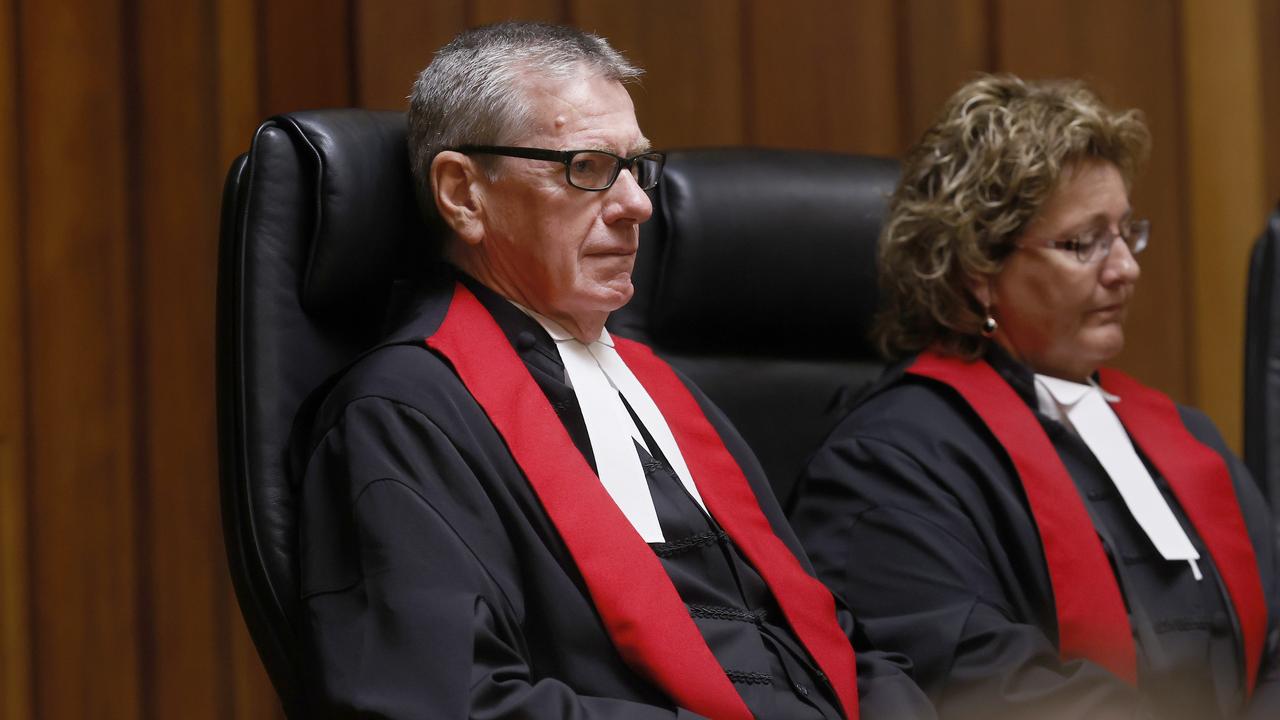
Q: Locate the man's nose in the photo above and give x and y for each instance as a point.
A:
(627, 202)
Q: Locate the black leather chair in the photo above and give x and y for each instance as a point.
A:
(756, 277)
(1262, 363)
(315, 219)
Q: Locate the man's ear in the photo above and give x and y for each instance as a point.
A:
(455, 182)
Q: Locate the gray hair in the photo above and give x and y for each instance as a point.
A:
(471, 93)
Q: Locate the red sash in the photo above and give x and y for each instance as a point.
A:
(644, 615)
(1201, 482)
(1092, 620)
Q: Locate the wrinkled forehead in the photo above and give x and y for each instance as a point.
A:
(583, 111)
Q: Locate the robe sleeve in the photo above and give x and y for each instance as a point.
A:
(1265, 702)
(1264, 535)
(407, 612)
(914, 567)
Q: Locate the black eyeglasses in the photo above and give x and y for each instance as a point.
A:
(593, 170)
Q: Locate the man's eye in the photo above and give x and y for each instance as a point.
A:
(589, 164)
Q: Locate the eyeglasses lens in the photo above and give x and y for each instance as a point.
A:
(1097, 246)
(647, 169)
(592, 170)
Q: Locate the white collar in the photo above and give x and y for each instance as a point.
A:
(557, 331)
(1085, 413)
(598, 376)
(1068, 393)
(1055, 397)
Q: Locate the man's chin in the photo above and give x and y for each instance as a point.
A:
(614, 294)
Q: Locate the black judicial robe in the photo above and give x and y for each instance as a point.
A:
(914, 514)
(434, 584)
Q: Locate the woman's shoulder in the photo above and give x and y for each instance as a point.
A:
(908, 411)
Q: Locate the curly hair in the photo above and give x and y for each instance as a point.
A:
(970, 186)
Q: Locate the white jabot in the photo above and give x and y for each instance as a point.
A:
(598, 375)
(1084, 409)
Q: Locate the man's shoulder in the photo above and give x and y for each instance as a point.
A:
(404, 372)
(399, 368)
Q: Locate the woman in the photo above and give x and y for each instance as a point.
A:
(1043, 537)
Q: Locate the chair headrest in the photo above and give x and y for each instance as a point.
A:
(366, 217)
(769, 251)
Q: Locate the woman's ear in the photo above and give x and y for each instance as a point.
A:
(980, 287)
(455, 182)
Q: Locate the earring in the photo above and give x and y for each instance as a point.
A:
(989, 325)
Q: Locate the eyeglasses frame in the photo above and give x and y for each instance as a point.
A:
(1143, 232)
(565, 157)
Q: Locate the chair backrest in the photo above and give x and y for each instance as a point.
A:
(756, 278)
(316, 218)
(1262, 362)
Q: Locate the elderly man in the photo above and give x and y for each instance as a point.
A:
(508, 512)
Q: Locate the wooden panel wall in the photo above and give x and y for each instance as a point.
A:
(15, 636)
(175, 183)
(83, 378)
(1225, 181)
(1267, 30)
(121, 116)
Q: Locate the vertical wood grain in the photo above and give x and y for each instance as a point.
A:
(81, 374)
(15, 619)
(1224, 147)
(177, 194)
(15, 650)
(483, 12)
(235, 30)
(393, 41)
(1094, 40)
(305, 57)
(825, 78)
(947, 44)
(253, 696)
(695, 73)
(1267, 31)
